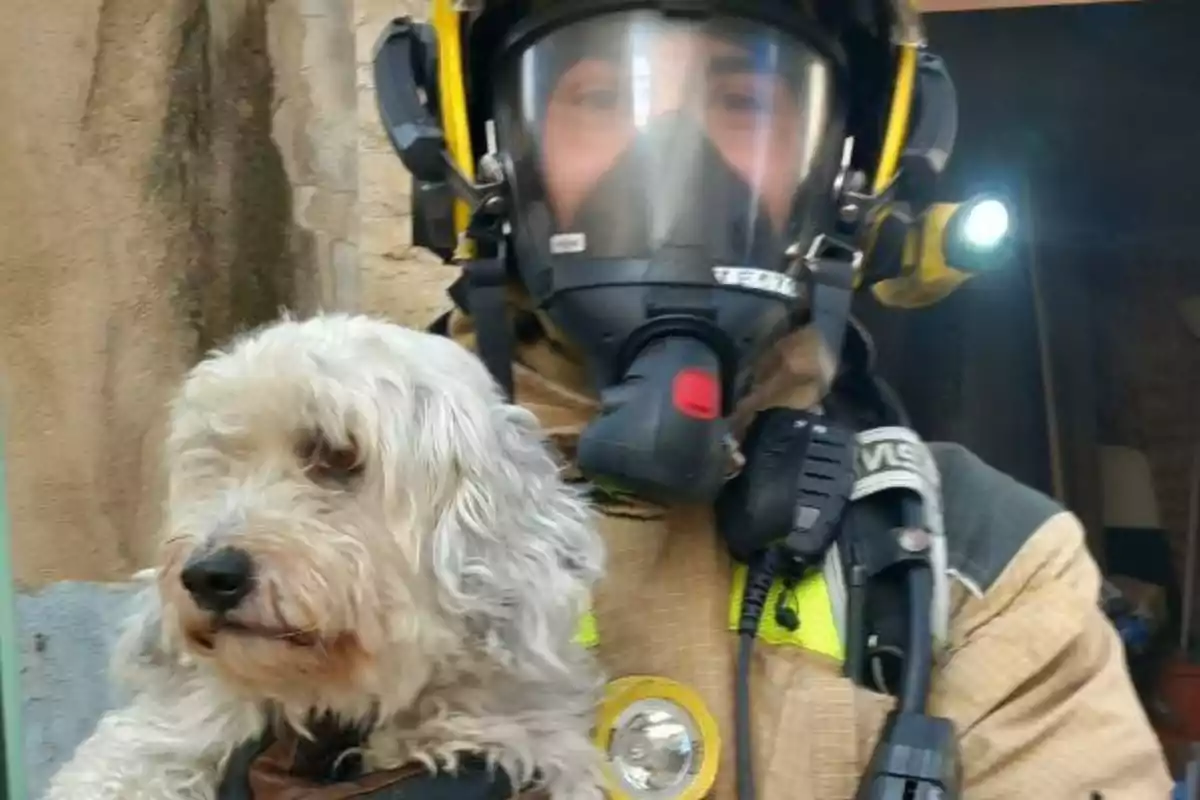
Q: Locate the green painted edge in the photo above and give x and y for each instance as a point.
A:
(13, 768)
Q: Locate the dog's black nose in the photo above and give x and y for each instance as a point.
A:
(219, 580)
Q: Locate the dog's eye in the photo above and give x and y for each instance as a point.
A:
(326, 462)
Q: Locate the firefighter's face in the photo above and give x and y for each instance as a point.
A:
(597, 108)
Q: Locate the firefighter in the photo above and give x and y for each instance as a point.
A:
(661, 210)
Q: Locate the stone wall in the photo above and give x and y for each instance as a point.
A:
(174, 172)
(313, 125)
(397, 279)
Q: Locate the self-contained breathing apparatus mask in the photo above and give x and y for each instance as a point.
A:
(660, 169)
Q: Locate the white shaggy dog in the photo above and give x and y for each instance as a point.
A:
(356, 525)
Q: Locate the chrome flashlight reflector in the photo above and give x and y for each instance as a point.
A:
(654, 749)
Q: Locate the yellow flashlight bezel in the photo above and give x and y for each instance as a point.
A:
(622, 693)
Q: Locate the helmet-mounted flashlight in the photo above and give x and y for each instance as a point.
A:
(912, 263)
(977, 233)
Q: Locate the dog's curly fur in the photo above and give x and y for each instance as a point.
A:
(430, 588)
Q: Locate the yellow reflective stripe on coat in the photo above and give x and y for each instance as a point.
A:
(818, 630)
(810, 600)
(588, 633)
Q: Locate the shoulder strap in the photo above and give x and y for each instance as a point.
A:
(486, 287)
(892, 464)
(482, 292)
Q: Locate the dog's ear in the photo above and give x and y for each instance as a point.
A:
(517, 550)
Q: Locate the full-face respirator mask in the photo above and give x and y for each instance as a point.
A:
(660, 170)
(667, 343)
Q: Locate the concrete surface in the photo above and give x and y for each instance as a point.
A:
(65, 636)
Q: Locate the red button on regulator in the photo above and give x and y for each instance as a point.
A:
(696, 394)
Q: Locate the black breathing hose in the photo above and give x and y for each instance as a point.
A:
(918, 660)
(759, 576)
